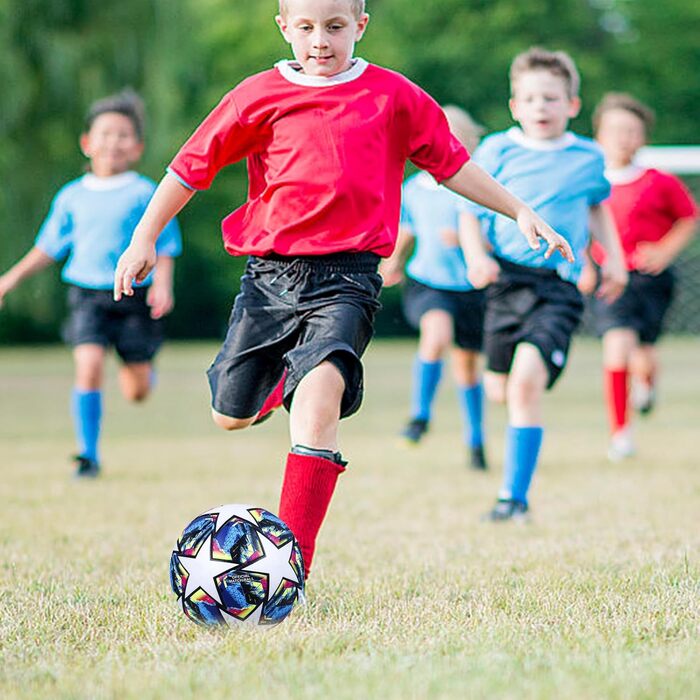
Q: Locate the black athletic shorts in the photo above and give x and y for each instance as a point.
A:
(530, 305)
(94, 317)
(293, 313)
(642, 307)
(466, 309)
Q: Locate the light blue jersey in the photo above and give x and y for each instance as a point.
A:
(91, 222)
(559, 179)
(429, 210)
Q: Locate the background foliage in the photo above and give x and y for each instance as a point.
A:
(56, 56)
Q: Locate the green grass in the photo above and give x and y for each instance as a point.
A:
(411, 596)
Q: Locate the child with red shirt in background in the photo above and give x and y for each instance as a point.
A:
(656, 217)
(326, 138)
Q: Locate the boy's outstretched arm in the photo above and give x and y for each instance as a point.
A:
(474, 183)
(34, 261)
(391, 268)
(140, 257)
(614, 275)
(654, 258)
(482, 269)
(160, 295)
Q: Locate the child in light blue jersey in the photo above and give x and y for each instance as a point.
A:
(532, 304)
(90, 224)
(439, 300)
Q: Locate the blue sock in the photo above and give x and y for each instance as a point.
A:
(426, 377)
(471, 400)
(522, 451)
(87, 416)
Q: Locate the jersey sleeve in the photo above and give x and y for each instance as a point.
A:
(681, 204)
(600, 187)
(488, 156)
(55, 235)
(221, 139)
(431, 145)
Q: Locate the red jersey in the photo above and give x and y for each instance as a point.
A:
(645, 209)
(325, 158)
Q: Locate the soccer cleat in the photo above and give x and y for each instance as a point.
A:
(478, 459)
(86, 468)
(643, 397)
(621, 445)
(508, 509)
(414, 430)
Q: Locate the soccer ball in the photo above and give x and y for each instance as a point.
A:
(237, 565)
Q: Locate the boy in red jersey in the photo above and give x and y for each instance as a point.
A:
(326, 138)
(656, 218)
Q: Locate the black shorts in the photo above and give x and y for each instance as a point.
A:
(294, 313)
(530, 305)
(642, 307)
(94, 317)
(466, 309)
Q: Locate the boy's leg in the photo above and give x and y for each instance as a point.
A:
(618, 347)
(435, 337)
(471, 400)
(86, 405)
(314, 463)
(526, 385)
(644, 367)
(136, 380)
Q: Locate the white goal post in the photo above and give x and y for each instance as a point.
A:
(681, 160)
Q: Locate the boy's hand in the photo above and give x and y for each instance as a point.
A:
(133, 266)
(588, 280)
(534, 228)
(482, 271)
(652, 258)
(391, 274)
(161, 300)
(613, 282)
(6, 285)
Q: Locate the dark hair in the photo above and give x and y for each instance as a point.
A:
(126, 102)
(556, 62)
(623, 100)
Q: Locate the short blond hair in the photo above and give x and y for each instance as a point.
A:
(358, 7)
(558, 63)
(463, 126)
(625, 101)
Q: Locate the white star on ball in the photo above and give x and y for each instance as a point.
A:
(275, 564)
(226, 512)
(202, 570)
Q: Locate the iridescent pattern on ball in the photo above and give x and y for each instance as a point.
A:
(242, 592)
(237, 541)
(195, 533)
(249, 573)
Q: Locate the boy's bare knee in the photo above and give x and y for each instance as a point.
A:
(136, 394)
(228, 423)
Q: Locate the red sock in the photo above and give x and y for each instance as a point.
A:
(307, 490)
(616, 389)
(273, 401)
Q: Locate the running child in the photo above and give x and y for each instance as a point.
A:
(439, 301)
(532, 303)
(656, 218)
(90, 223)
(326, 137)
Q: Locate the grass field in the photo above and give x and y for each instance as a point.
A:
(411, 596)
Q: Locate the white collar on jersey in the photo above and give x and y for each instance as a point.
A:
(427, 181)
(290, 70)
(623, 176)
(516, 134)
(113, 182)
